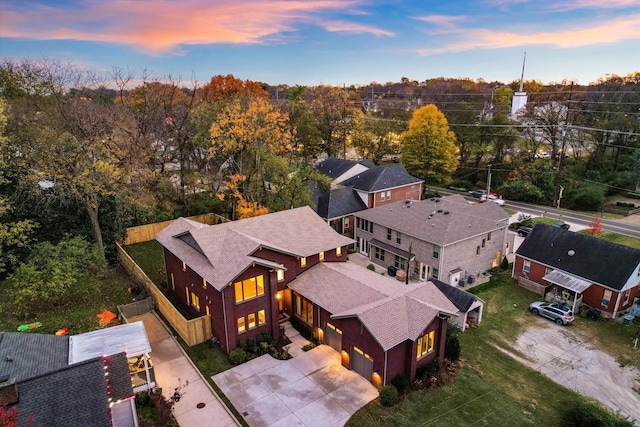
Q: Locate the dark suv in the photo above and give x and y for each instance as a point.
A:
(560, 224)
(477, 193)
(524, 231)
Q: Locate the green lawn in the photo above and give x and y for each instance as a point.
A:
(149, 257)
(493, 388)
(80, 318)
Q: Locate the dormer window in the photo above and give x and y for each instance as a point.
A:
(303, 262)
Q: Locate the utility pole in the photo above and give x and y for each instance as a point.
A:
(557, 194)
(488, 180)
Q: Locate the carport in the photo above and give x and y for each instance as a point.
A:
(571, 290)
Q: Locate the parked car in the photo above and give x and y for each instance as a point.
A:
(560, 224)
(560, 315)
(524, 231)
(493, 198)
(477, 193)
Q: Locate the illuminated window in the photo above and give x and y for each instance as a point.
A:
(204, 283)
(186, 291)
(173, 282)
(251, 320)
(249, 288)
(303, 262)
(338, 251)
(304, 308)
(280, 275)
(195, 301)
(184, 267)
(241, 325)
(426, 344)
(321, 256)
(206, 307)
(262, 317)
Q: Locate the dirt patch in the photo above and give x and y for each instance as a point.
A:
(573, 361)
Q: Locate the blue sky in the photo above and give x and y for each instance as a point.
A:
(332, 42)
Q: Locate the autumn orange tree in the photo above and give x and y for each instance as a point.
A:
(595, 227)
(241, 207)
(242, 134)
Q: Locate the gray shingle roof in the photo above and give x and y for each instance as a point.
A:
(381, 178)
(334, 167)
(338, 202)
(462, 299)
(593, 259)
(27, 355)
(75, 395)
(391, 311)
(228, 247)
(440, 221)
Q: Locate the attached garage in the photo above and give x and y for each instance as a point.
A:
(361, 363)
(333, 337)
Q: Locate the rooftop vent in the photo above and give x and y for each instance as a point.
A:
(447, 212)
(439, 210)
(571, 252)
(437, 200)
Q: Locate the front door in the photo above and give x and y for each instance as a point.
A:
(361, 363)
(424, 272)
(364, 246)
(333, 337)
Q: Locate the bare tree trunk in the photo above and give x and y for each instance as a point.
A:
(91, 205)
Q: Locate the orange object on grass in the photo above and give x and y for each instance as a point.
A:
(105, 317)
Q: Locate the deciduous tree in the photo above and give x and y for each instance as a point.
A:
(428, 147)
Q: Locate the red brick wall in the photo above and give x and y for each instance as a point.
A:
(400, 193)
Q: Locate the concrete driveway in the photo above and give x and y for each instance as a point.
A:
(173, 369)
(312, 389)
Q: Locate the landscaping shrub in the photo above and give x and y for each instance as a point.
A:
(237, 356)
(452, 347)
(304, 330)
(401, 383)
(505, 263)
(591, 415)
(308, 347)
(388, 395)
(371, 267)
(428, 370)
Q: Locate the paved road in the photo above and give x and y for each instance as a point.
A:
(629, 226)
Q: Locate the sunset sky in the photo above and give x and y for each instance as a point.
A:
(332, 42)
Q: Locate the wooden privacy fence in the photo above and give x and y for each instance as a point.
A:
(144, 233)
(194, 331)
(531, 285)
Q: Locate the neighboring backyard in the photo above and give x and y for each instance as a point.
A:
(492, 387)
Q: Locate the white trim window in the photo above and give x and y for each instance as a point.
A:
(526, 266)
(606, 298)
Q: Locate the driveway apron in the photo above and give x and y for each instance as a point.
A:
(173, 369)
(311, 389)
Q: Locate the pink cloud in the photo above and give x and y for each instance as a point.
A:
(567, 5)
(159, 26)
(351, 27)
(615, 30)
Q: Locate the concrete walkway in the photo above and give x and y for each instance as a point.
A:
(173, 368)
(311, 389)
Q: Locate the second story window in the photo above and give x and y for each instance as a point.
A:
(398, 237)
(388, 234)
(321, 256)
(280, 275)
(338, 251)
(249, 288)
(303, 262)
(436, 251)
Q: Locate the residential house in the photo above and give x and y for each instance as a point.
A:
(251, 275)
(575, 269)
(82, 380)
(446, 238)
(360, 185)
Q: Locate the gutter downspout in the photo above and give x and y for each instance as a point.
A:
(224, 315)
(615, 309)
(384, 375)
